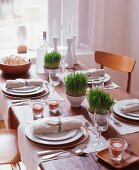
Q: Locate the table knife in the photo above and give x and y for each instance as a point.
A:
(52, 155)
(41, 153)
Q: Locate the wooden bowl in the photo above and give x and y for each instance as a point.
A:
(15, 69)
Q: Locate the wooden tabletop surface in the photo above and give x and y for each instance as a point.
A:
(89, 161)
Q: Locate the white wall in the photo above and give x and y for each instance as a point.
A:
(132, 41)
(117, 30)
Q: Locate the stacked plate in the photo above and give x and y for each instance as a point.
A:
(106, 78)
(131, 116)
(57, 140)
(24, 92)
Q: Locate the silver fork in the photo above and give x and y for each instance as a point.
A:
(21, 103)
(114, 120)
(78, 150)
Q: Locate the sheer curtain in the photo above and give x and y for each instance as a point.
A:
(61, 17)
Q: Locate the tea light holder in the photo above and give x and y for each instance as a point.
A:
(116, 148)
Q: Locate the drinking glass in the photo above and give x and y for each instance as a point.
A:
(38, 108)
(97, 83)
(100, 124)
(54, 78)
(53, 105)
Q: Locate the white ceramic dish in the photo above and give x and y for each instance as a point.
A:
(106, 78)
(119, 112)
(29, 133)
(44, 93)
(22, 94)
(25, 89)
(55, 136)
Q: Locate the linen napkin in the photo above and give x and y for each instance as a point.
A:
(22, 83)
(130, 108)
(95, 73)
(60, 124)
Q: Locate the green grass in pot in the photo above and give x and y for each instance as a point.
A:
(75, 84)
(52, 60)
(99, 99)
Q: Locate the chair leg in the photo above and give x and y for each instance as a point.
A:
(12, 167)
(16, 166)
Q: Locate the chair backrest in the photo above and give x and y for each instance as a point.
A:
(116, 62)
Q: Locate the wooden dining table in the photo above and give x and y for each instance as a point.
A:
(83, 162)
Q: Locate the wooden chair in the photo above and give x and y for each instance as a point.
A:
(9, 153)
(116, 62)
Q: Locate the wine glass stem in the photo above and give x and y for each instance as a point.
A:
(52, 90)
(99, 136)
(63, 67)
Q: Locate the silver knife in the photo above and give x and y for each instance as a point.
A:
(21, 103)
(52, 155)
(41, 153)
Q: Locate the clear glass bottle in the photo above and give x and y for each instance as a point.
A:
(41, 51)
(44, 43)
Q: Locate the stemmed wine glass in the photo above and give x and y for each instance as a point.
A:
(54, 79)
(100, 124)
(62, 65)
(97, 84)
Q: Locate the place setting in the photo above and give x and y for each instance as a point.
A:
(99, 78)
(25, 88)
(95, 78)
(58, 132)
(125, 116)
(127, 109)
(60, 137)
(98, 75)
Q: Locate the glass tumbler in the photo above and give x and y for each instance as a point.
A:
(116, 148)
(53, 105)
(38, 108)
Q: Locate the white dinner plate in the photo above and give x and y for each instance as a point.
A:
(39, 90)
(106, 78)
(26, 89)
(81, 133)
(44, 93)
(55, 136)
(131, 115)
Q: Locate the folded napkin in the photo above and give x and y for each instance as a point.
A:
(55, 125)
(23, 82)
(95, 73)
(130, 108)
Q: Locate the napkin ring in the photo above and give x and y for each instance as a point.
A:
(26, 83)
(59, 124)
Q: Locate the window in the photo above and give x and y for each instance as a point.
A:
(57, 17)
(75, 17)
